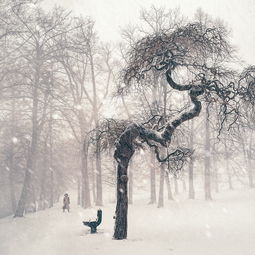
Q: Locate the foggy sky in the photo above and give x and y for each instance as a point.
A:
(110, 15)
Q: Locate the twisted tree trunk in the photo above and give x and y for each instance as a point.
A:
(125, 149)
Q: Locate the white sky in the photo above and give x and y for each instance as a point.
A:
(110, 15)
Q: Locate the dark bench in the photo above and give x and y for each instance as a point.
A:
(94, 224)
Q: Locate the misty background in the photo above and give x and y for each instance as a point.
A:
(64, 103)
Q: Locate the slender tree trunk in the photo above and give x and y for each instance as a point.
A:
(50, 166)
(161, 186)
(162, 166)
(247, 156)
(184, 187)
(207, 173)
(93, 181)
(45, 168)
(214, 156)
(99, 193)
(191, 179)
(250, 168)
(11, 185)
(86, 203)
(31, 160)
(11, 180)
(230, 184)
(176, 186)
(215, 170)
(216, 179)
(85, 189)
(99, 197)
(168, 185)
(250, 173)
(11, 160)
(51, 188)
(152, 178)
(191, 163)
(78, 190)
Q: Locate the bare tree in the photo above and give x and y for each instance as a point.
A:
(200, 48)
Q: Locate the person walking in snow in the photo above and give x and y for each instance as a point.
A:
(66, 202)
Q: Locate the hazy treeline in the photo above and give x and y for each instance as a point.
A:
(58, 83)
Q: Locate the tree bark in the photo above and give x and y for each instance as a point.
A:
(85, 189)
(161, 187)
(176, 186)
(93, 181)
(120, 231)
(85, 195)
(250, 170)
(168, 185)
(184, 187)
(78, 190)
(12, 159)
(99, 193)
(45, 169)
(226, 154)
(31, 160)
(152, 178)
(215, 170)
(50, 166)
(191, 179)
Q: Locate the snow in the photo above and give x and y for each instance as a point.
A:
(14, 140)
(220, 227)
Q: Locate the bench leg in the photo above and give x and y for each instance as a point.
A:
(93, 230)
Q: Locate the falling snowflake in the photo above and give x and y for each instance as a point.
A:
(14, 139)
(78, 107)
(121, 190)
(27, 137)
(55, 116)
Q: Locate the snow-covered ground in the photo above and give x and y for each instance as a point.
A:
(221, 227)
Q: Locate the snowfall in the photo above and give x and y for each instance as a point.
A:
(223, 226)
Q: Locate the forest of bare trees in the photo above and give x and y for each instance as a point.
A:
(173, 95)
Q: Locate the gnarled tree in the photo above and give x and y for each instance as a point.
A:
(195, 54)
